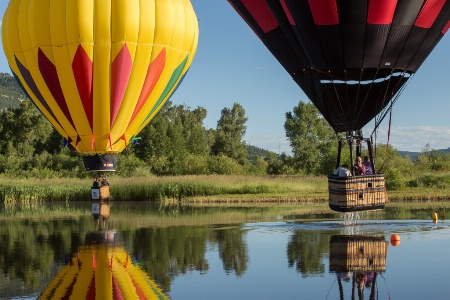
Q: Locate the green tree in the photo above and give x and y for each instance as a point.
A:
(53, 144)
(311, 138)
(22, 131)
(431, 160)
(154, 137)
(258, 166)
(280, 164)
(397, 169)
(193, 130)
(230, 133)
(175, 133)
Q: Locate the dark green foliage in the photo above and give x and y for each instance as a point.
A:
(174, 135)
(224, 165)
(311, 138)
(129, 165)
(282, 164)
(176, 142)
(230, 133)
(258, 166)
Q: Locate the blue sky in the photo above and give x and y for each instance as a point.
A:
(232, 65)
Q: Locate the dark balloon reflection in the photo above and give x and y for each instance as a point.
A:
(357, 261)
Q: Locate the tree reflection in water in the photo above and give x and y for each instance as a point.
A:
(168, 243)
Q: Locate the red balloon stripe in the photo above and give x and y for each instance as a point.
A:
(429, 13)
(120, 74)
(83, 72)
(50, 75)
(262, 14)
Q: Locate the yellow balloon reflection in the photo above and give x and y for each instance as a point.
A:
(102, 270)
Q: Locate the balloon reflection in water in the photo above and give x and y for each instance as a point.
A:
(102, 269)
(358, 259)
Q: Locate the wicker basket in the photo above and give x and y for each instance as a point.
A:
(349, 253)
(356, 193)
(104, 192)
(105, 210)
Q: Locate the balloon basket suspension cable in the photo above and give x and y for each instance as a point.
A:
(355, 138)
(350, 192)
(387, 143)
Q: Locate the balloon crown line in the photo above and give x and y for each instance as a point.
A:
(134, 140)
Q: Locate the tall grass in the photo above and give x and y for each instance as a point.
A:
(176, 188)
(219, 187)
(38, 190)
(195, 189)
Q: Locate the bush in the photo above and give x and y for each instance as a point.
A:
(194, 165)
(223, 165)
(428, 180)
(394, 179)
(130, 165)
(258, 167)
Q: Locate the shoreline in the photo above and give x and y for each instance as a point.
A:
(198, 189)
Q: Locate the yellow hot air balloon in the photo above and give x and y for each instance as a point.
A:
(99, 70)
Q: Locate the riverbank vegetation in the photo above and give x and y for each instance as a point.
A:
(175, 158)
(201, 189)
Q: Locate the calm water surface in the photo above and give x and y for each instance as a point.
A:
(180, 252)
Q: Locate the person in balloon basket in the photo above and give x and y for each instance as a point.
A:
(342, 171)
(96, 183)
(368, 165)
(359, 169)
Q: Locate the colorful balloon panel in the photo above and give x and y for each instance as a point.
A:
(99, 70)
(102, 272)
(350, 57)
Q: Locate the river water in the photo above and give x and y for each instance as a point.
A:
(143, 251)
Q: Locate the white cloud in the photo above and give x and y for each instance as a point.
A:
(412, 138)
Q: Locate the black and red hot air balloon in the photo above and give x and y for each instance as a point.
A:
(352, 58)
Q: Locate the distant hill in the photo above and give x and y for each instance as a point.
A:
(10, 92)
(254, 151)
(414, 155)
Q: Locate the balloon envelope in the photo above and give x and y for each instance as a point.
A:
(99, 70)
(350, 57)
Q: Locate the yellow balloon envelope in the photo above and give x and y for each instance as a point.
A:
(99, 70)
(102, 272)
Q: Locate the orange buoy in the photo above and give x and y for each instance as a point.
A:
(395, 239)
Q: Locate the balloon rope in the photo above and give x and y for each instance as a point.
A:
(385, 110)
(387, 144)
(387, 288)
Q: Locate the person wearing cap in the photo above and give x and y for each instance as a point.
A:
(368, 165)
